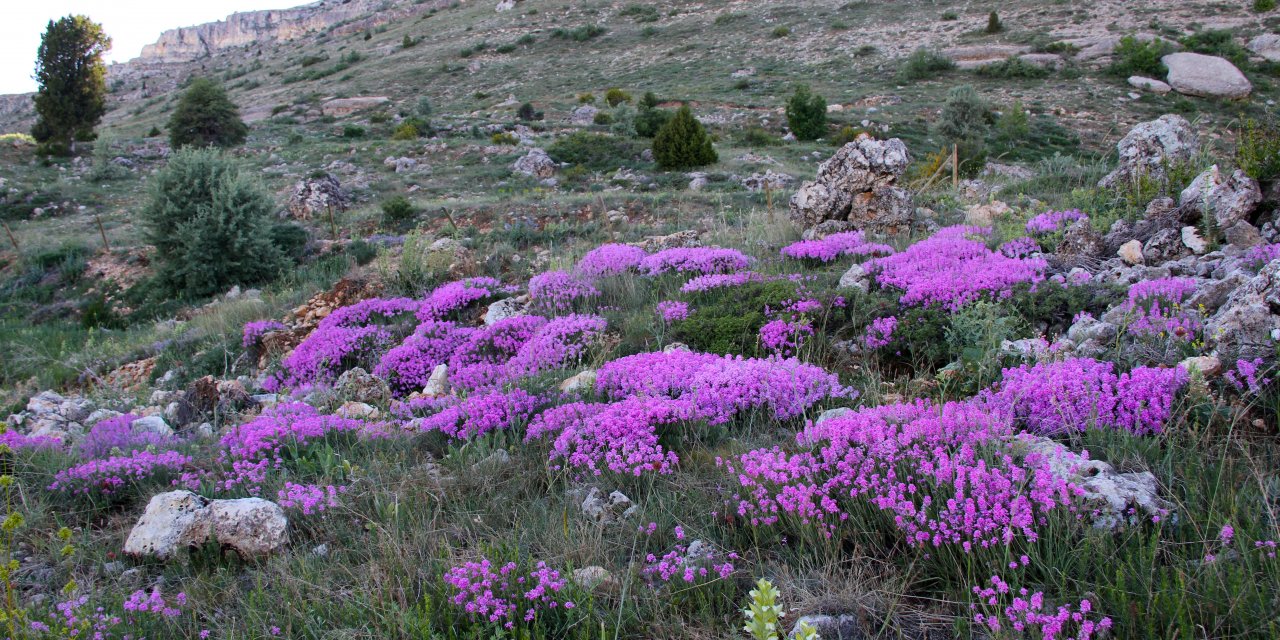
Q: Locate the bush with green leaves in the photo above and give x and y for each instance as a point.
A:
(649, 118)
(923, 64)
(1258, 149)
(1218, 42)
(594, 151)
(683, 143)
(206, 117)
(397, 210)
(1134, 57)
(405, 131)
(1263, 6)
(528, 113)
(993, 23)
(964, 122)
(72, 95)
(352, 131)
(728, 321)
(210, 224)
(616, 96)
(1011, 68)
(806, 114)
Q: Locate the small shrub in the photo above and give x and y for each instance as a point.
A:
(964, 122)
(806, 114)
(758, 137)
(780, 32)
(865, 50)
(923, 64)
(1263, 6)
(406, 131)
(291, 238)
(1011, 68)
(595, 151)
(948, 16)
(1218, 42)
(505, 48)
(526, 39)
(603, 118)
(361, 251)
(1258, 149)
(1134, 57)
(616, 96)
(504, 138)
(845, 135)
(993, 23)
(683, 143)
(353, 131)
(527, 113)
(154, 132)
(586, 98)
(650, 119)
(641, 12)
(408, 42)
(397, 210)
(579, 34)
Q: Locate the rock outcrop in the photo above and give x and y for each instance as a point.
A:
(536, 163)
(178, 520)
(314, 196)
(1229, 198)
(1115, 498)
(1266, 46)
(338, 107)
(1152, 146)
(1248, 324)
(858, 186)
(1196, 74)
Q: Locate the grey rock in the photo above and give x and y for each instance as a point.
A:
(152, 424)
(506, 308)
(607, 509)
(361, 386)
(1164, 246)
(1191, 239)
(856, 277)
(1247, 324)
(178, 520)
(536, 163)
(1228, 198)
(1149, 84)
(1267, 46)
(1152, 146)
(1196, 74)
(857, 185)
(1115, 498)
(1243, 235)
(315, 196)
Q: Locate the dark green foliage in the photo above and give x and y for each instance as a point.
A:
(758, 137)
(594, 151)
(650, 118)
(993, 23)
(579, 34)
(72, 94)
(361, 251)
(616, 96)
(405, 131)
(353, 131)
(683, 143)
(964, 122)
(1134, 57)
(291, 238)
(948, 16)
(845, 135)
(210, 225)
(780, 32)
(1011, 68)
(602, 118)
(397, 210)
(807, 114)
(923, 64)
(408, 42)
(729, 322)
(154, 132)
(641, 12)
(205, 117)
(1218, 42)
(1258, 149)
(527, 113)
(1263, 6)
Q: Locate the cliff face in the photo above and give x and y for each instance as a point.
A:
(257, 27)
(17, 113)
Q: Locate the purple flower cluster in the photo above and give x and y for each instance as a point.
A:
(673, 311)
(115, 436)
(1023, 247)
(253, 331)
(153, 602)
(1025, 612)
(15, 441)
(1155, 308)
(880, 332)
(610, 260)
(408, 366)
(688, 565)
(113, 475)
(622, 437)
(849, 243)
(700, 260)
(708, 282)
(1054, 221)
(951, 269)
(448, 299)
(785, 337)
(482, 413)
(559, 290)
(310, 498)
(504, 595)
(1245, 376)
(1081, 393)
(343, 336)
(1259, 256)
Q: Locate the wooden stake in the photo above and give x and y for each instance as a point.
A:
(102, 231)
(11, 238)
(955, 165)
(333, 226)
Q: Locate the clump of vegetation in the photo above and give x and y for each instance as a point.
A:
(806, 114)
(209, 223)
(594, 151)
(649, 118)
(964, 122)
(579, 34)
(615, 96)
(205, 117)
(993, 23)
(1258, 149)
(602, 118)
(640, 12)
(1263, 6)
(1013, 67)
(353, 131)
(505, 138)
(528, 113)
(950, 16)
(1218, 42)
(397, 210)
(781, 31)
(923, 64)
(683, 143)
(409, 42)
(406, 131)
(759, 137)
(72, 94)
(1133, 57)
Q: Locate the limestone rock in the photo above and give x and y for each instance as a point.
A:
(536, 163)
(152, 424)
(1131, 252)
(178, 520)
(1080, 240)
(584, 115)
(857, 185)
(679, 239)
(346, 106)
(438, 384)
(831, 414)
(1196, 74)
(1267, 46)
(352, 410)
(1164, 246)
(1228, 198)
(1191, 239)
(1247, 324)
(985, 214)
(1149, 84)
(583, 382)
(313, 197)
(1243, 235)
(595, 578)
(252, 526)
(361, 386)
(1150, 147)
(770, 180)
(506, 308)
(1116, 498)
(1210, 366)
(607, 509)
(856, 278)
(834, 627)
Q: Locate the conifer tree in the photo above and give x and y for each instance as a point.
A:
(72, 95)
(683, 143)
(205, 117)
(807, 114)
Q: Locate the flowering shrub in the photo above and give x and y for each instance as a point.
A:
(115, 436)
(22, 442)
(1259, 256)
(482, 413)
(310, 498)
(785, 337)
(455, 296)
(1054, 221)
(1025, 613)
(481, 360)
(502, 594)
(1155, 308)
(343, 337)
(711, 281)
(116, 474)
(923, 466)
(880, 332)
(951, 270)
(408, 366)
(559, 290)
(1245, 376)
(561, 342)
(143, 602)
(621, 437)
(253, 331)
(610, 260)
(1023, 247)
(1081, 393)
(695, 260)
(849, 243)
(688, 563)
(673, 310)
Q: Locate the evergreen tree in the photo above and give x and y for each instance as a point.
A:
(649, 119)
(683, 143)
(965, 121)
(807, 114)
(73, 90)
(205, 116)
(210, 225)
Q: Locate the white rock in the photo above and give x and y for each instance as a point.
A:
(506, 308)
(173, 522)
(1267, 46)
(583, 382)
(1196, 74)
(1210, 366)
(252, 526)
(358, 411)
(1191, 239)
(1131, 252)
(831, 414)
(1229, 198)
(152, 424)
(1150, 84)
(438, 384)
(855, 278)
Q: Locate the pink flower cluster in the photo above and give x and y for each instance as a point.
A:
(448, 299)
(711, 281)
(22, 442)
(503, 594)
(310, 498)
(1023, 247)
(344, 336)
(1054, 221)
(610, 260)
(482, 413)
(253, 331)
(700, 260)
(408, 366)
(143, 602)
(880, 332)
(1155, 308)
(691, 563)
(785, 337)
(673, 311)
(621, 437)
(952, 269)
(1245, 376)
(1026, 613)
(848, 243)
(1080, 393)
(938, 473)
(112, 475)
(1259, 256)
(115, 435)
(558, 290)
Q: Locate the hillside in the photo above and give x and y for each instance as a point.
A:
(450, 353)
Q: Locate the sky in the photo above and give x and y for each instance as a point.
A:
(130, 23)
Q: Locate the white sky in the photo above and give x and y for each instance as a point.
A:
(130, 23)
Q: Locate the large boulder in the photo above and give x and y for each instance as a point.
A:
(1248, 325)
(1267, 46)
(1150, 147)
(1114, 498)
(536, 163)
(361, 386)
(1196, 74)
(314, 196)
(584, 115)
(1228, 198)
(178, 520)
(857, 185)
